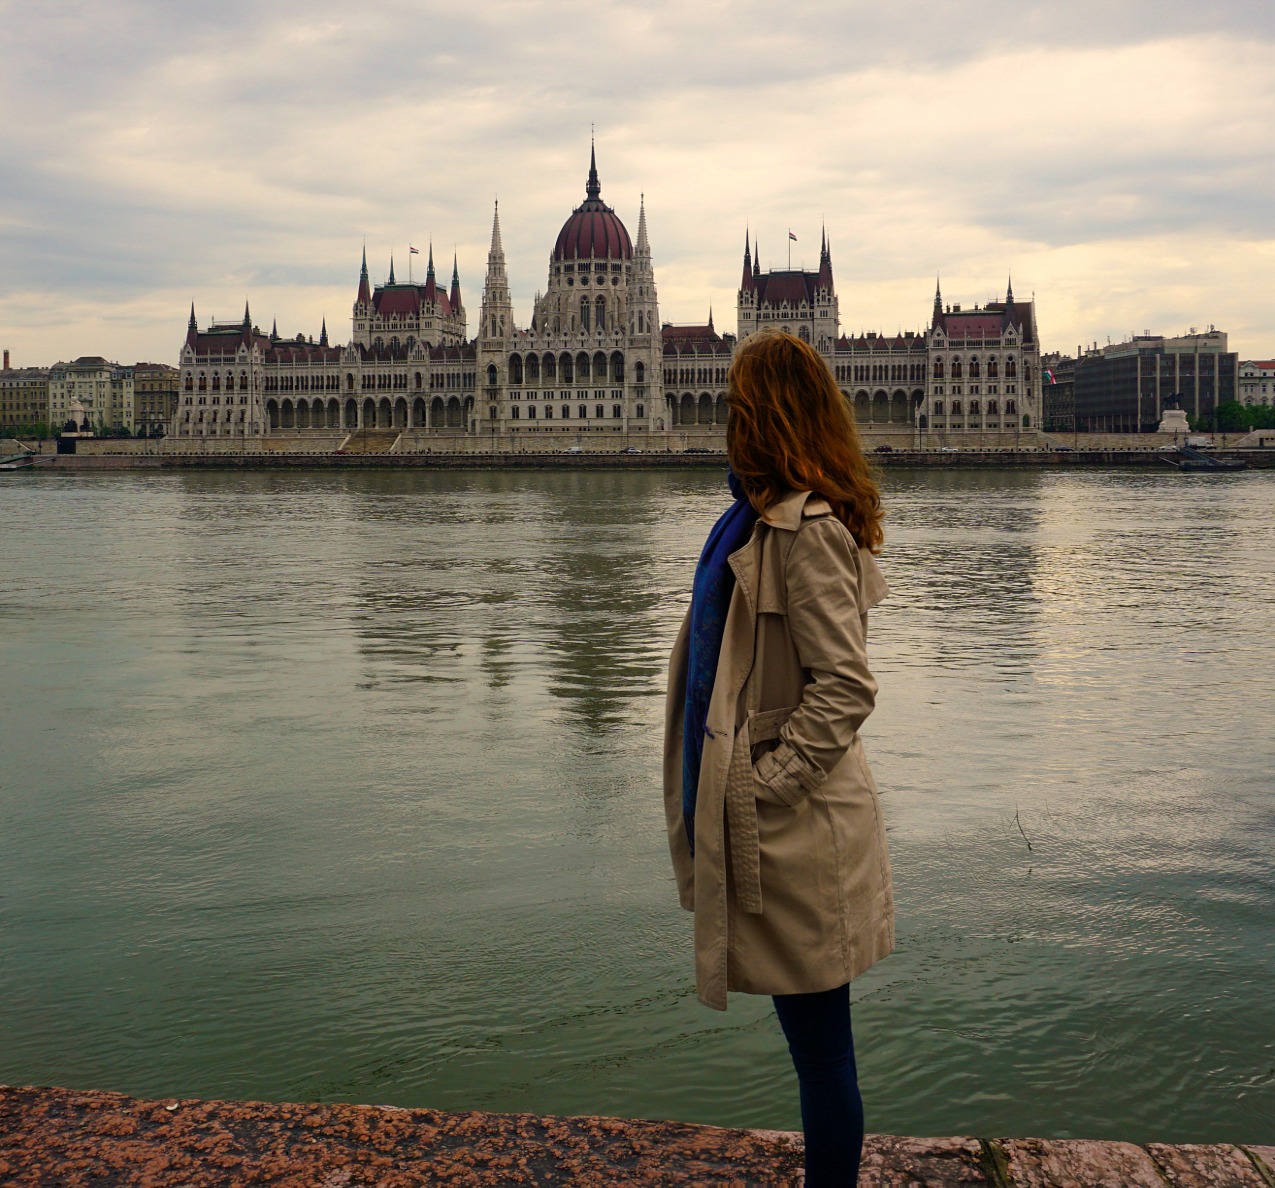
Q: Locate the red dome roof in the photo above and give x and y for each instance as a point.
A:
(594, 229)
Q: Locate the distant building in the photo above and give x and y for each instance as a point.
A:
(1058, 392)
(104, 389)
(154, 397)
(1125, 387)
(1257, 383)
(24, 398)
(593, 355)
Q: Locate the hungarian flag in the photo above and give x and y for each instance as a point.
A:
(413, 251)
(792, 237)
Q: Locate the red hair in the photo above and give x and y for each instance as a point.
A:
(791, 429)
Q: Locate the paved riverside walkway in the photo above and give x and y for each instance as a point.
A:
(103, 1140)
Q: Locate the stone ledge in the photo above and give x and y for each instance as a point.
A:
(107, 1140)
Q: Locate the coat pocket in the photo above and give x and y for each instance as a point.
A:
(773, 781)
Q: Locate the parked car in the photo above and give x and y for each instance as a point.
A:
(631, 450)
(574, 450)
(1063, 450)
(697, 450)
(950, 450)
(884, 448)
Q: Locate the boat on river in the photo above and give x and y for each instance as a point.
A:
(1195, 461)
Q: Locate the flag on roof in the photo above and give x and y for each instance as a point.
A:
(792, 237)
(1050, 374)
(413, 251)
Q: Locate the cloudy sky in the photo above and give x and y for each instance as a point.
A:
(1117, 157)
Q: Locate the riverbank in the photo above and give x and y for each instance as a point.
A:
(983, 459)
(76, 1139)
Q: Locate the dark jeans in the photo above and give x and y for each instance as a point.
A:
(817, 1028)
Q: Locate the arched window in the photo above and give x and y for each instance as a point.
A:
(243, 381)
(189, 383)
(938, 368)
(597, 411)
(551, 368)
(992, 369)
(517, 412)
(938, 408)
(641, 410)
(617, 367)
(418, 381)
(349, 381)
(531, 412)
(615, 411)
(973, 408)
(956, 408)
(515, 369)
(584, 313)
(1011, 368)
(491, 375)
(956, 369)
(991, 408)
(533, 369)
(600, 310)
(1011, 407)
(639, 372)
(974, 369)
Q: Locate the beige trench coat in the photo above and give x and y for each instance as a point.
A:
(790, 881)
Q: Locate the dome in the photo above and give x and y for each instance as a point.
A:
(594, 230)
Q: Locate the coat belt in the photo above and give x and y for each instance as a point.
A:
(741, 821)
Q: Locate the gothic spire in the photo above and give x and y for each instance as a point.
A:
(643, 247)
(747, 281)
(429, 270)
(938, 301)
(323, 334)
(1009, 291)
(454, 296)
(756, 258)
(391, 281)
(192, 324)
(274, 330)
(593, 188)
(365, 289)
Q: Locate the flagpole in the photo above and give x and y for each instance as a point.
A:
(409, 263)
(789, 249)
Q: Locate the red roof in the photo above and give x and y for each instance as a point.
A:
(593, 233)
(793, 287)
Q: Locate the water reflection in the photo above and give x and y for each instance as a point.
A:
(346, 785)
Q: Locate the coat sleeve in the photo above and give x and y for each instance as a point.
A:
(826, 625)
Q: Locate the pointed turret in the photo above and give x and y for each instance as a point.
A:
(825, 262)
(710, 319)
(365, 289)
(756, 259)
(429, 270)
(431, 281)
(323, 334)
(747, 281)
(247, 317)
(496, 256)
(593, 188)
(454, 296)
(274, 330)
(938, 303)
(192, 327)
(643, 247)
(391, 280)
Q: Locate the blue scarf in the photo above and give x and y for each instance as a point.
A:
(710, 599)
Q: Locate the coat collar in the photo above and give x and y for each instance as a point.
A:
(787, 511)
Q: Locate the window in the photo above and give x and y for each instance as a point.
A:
(566, 411)
(584, 313)
(615, 411)
(548, 412)
(531, 413)
(597, 411)
(517, 412)
(641, 410)
(938, 408)
(583, 412)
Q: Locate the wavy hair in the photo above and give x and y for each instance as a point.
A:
(789, 428)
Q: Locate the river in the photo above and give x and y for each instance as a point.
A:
(345, 786)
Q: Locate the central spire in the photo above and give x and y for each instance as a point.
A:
(593, 188)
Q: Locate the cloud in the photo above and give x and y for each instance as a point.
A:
(164, 152)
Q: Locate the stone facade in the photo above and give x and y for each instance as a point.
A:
(24, 398)
(595, 363)
(103, 389)
(1257, 383)
(155, 393)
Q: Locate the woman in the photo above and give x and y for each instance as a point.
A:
(776, 833)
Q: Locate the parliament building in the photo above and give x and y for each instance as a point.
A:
(595, 358)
